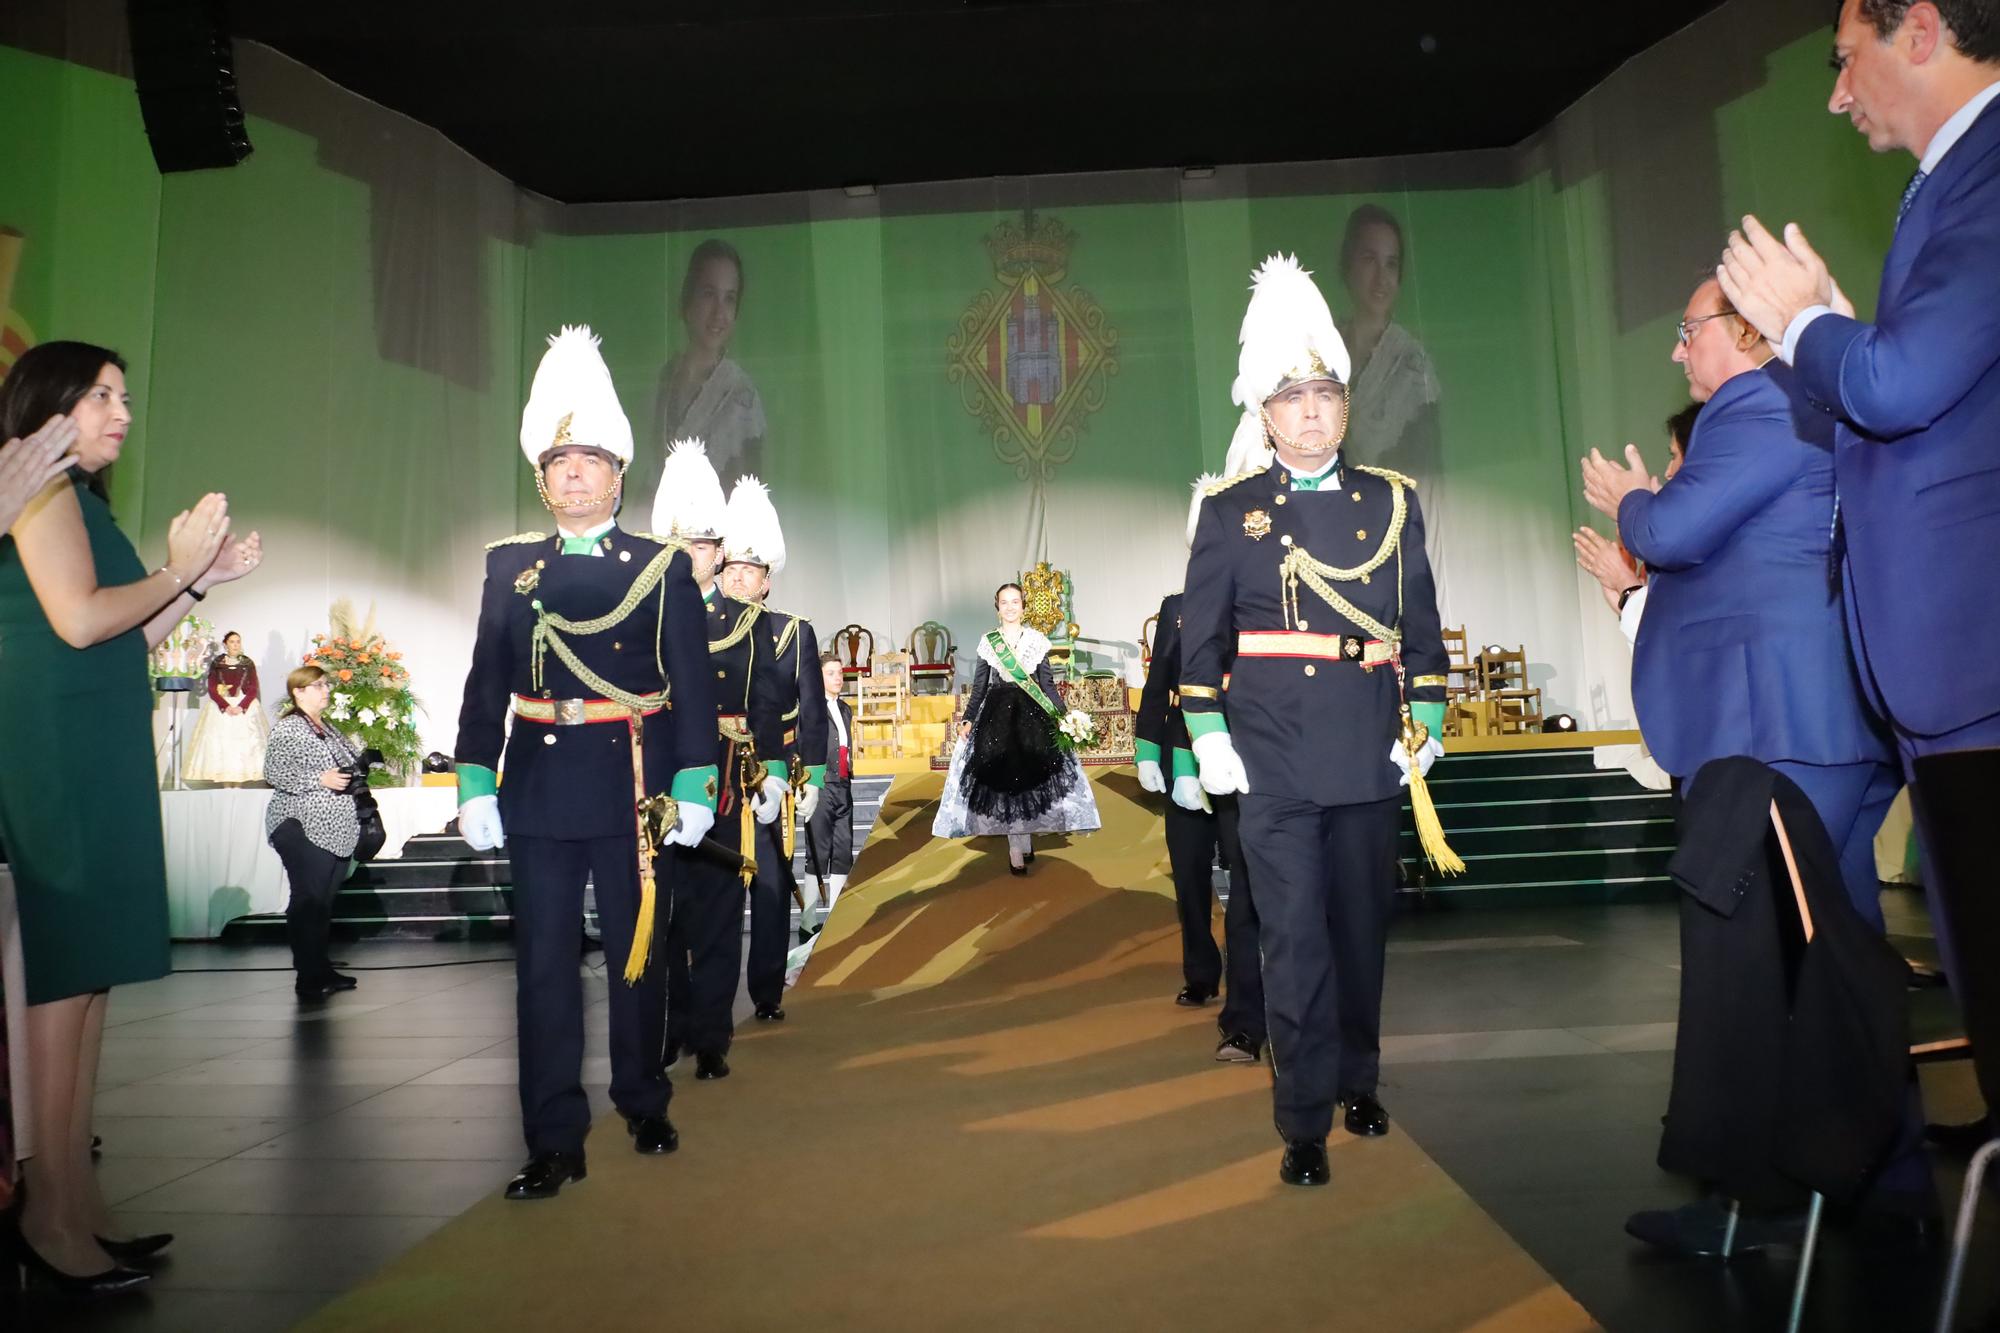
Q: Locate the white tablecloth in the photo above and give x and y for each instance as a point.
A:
(219, 867)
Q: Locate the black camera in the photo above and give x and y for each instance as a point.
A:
(357, 772)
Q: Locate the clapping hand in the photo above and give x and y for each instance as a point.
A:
(1606, 484)
(27, 465)
(1602, 560)
(196, 536)
(1770, 282)
(234, 561)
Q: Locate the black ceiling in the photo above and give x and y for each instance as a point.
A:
(666, 99)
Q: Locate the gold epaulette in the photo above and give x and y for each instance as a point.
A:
(674, 542)
(743, 623)
(1388, 473)
(1218, 487)
(789, 633)
(517, 539)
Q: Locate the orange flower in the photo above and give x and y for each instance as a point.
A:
(361, 657)
(395, 657)
(346, 675)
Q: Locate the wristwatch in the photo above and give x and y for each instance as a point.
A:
(1626, 596)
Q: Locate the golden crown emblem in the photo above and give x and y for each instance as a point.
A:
(1040, 244)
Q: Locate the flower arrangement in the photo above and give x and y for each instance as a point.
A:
(371, 702)
(1076, 729)
(186, 650)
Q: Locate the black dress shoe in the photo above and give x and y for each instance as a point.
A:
(341, 981)
(710, 1064)
(770, 1013)
(1305, 1163)
(1696, 1230)
(1962, 1140)
(1193, 997)
(1239, 1048)
(1013, 869)
(545, 1174)
(113, 1281)
(312, 990)
(139, 1247)
(1365, 1116)
(653, 1134)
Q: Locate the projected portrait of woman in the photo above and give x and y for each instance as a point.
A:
(1396, 392)
(703, 394)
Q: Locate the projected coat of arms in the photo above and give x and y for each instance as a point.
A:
(1031, 357)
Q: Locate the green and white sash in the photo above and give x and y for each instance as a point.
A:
(1020, 675)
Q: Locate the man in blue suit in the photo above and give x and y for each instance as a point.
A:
(1743, 649)
(1916, 393)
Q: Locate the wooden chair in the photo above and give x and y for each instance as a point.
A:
(854, 645)
(880, 702)
(1461, 686)
(1503, 679)
(933, 659)
(1146, 631)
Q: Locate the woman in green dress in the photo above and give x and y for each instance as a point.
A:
(79, 795)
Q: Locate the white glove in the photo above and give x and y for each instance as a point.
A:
(1150, 776)
(479, 824)
(1221, 767)
(1188, 794)
(695, 822)
(1427, 754)
(769, 802)
(808, 802)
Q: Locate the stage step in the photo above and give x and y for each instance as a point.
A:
(441, 889)
(1539, 827)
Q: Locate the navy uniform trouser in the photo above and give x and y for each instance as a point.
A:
(1193, 836)
(1325, 878)
(770, 915)
(705, 946)
(549, 875)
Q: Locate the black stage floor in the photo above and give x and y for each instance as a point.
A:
(295, 1150)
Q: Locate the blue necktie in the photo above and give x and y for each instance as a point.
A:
(1910, 194)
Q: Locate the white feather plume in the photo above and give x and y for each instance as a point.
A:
(1248, 450)
(1201, 485)
(1286, 323)
(572, 398)
(689, 503)
(750, 528)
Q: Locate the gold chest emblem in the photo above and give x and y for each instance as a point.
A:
(528, 578)
(1256, 525)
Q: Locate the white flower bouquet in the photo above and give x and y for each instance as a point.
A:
(1078, 729)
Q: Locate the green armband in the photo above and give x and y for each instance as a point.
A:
(1431, 716)
(1184, 764)
(1205, 724)
(695, 786)
(815, 775)
(774, 769)
(476, 780)
(1145, 750)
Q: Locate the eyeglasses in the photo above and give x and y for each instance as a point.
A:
(1685, 330)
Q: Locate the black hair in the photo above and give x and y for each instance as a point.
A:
(1680, 426)
(49, 380)
(1974, 24)
(1002, 588)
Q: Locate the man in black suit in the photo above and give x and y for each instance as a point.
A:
(1197, 826)
(830, 827)
(1312, 572)
(705, 944)
(583, 634)
(753, 550)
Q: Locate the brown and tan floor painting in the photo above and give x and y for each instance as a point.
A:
(985, 1112)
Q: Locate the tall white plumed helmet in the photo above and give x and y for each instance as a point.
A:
(750, 529)
(1288, 337)
(689, 503)
(572, 402)
(1201, 485)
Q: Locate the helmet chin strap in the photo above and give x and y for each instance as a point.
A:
(562, 507)
(1277, 436)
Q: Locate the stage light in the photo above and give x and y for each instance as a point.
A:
(1495, 649)
(1197, 173)
(1560, 722)
(858, 191)
(438, 762)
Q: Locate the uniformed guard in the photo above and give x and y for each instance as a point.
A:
(583, 635)
(1314, 573)
(705, 945)
(1196, 826)
(753, 551)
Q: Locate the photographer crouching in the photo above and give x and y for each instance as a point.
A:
(315, 776)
